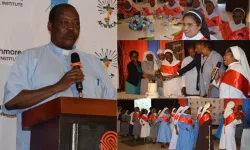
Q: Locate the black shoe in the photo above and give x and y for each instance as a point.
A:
(153, 142)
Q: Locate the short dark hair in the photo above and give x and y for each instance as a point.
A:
(192, 46)
(209, 44)
(132, 52)
(53, 12)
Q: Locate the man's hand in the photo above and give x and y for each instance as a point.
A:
(164, 78)
(28, 98)
(172, 76)
(72, 76)
(209, 90)
(216, 78)
(212, 32)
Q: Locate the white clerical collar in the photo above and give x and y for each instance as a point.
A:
(59, 50)
(67, 52)
(197, 37)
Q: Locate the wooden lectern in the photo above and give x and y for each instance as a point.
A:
(72, 124)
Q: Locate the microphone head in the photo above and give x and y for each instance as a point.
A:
(75, 58)
(218, 64)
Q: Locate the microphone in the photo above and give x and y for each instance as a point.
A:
(76, 63)
(217, 68)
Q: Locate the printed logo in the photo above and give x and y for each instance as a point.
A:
(109, 59)
(109, 141)
(107, 8)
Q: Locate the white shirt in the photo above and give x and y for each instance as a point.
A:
(189, 79)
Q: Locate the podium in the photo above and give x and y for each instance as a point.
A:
(72, 124)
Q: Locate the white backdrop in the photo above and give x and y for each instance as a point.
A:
(24, 25)
(218, 107)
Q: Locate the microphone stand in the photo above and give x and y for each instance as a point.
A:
(209, 137)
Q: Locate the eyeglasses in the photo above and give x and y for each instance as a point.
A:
(188, 25)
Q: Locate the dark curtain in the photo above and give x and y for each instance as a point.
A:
(162, 103)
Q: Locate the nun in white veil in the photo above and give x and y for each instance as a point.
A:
(173, 113)
(164, 132)
(170, 66)
(157, 66)
(185, 138)
(173, 141)
(227, 140)
(147, 65)
(198, 5)
(236, 80)
(214, 19)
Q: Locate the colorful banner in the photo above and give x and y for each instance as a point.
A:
(217, 104)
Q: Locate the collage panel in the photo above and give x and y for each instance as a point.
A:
(183, 20)
(125, 75)
(184, 123)
(58, 75)
(163, 69)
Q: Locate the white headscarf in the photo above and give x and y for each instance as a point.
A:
(184, 109)
(199, 110)
(126, 113)
(160, 51)
(163, 112)
(131, 2)
(201, 5)
(179, 111)
(240, 55)
(170, 51)
(241, 10)
(173, 110)
(216, 7)
(228, 109)
(159, 112)
(207, 105)
(145, 56)
(174, 62)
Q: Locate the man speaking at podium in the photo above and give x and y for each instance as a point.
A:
(44, 73)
